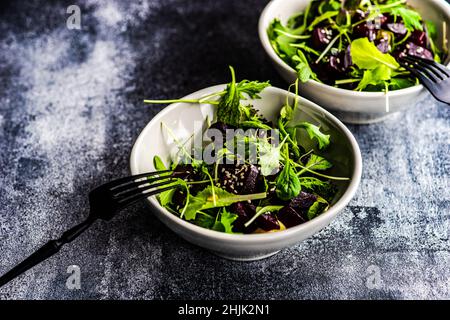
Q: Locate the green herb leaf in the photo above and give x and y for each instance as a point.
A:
(225, 223)
(304, 71)
(215, 198)
(375, 77)
(229, 109)
(316, 162)
(314, 132)
(411, 18)
(317, 208)
(366, 55)
(251, 88)
(287, 184)
(158, 164)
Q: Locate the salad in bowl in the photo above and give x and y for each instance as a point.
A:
(283, 170)
(346, 52)
(275, 180)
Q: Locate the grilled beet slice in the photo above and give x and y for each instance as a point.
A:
(267, 222)
(250, 178)
(383, 46)
(365, 30)
(398, 29)
(295, 212)
(419, 38)
(303, 201)
(240, 179)
(348, 62)
(290, 217)
(245, 212)
(321, 38)
(383, 41)
(179, 198)
(187, 173)
(418, 51)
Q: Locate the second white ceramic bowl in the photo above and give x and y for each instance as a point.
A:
(343, 152)
(350, 106)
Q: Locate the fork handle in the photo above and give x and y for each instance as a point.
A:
(46, 251)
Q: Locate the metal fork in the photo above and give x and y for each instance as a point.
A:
(104, 201)
(434, 76)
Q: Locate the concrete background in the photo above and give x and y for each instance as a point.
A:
(71, 108)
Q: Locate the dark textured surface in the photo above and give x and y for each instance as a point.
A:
(70, 110)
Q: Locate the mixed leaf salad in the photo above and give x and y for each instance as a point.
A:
(356, 44)
(286, 185)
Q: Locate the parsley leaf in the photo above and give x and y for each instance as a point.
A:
(224, 223)
(411, 18)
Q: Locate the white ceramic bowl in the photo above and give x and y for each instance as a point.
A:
(180, 117)
(350, 106)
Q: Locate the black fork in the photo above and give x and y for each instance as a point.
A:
(105, 201)
(434, 76)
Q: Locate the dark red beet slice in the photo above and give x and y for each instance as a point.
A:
(365, 30)
(321, 38)
(290, 217)
(303, 201)
(383, 46)
(419, 38)
(245, 212)
(397, 28)
(250, 178)
(240, 179)
(418, 51)
(348, 58)
(267, 222)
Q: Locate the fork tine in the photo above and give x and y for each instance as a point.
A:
(424, 80)
(138, 182)
(132, 199)
(431, 72)
(438, 66)
(113, 185)
(141, 188)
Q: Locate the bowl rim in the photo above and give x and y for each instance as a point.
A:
(263, 237)
(264, 38)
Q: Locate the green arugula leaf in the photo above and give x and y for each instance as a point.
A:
(251, 88)
(158, 164)
(304, 71)
(411, 18)
(366, 55)
(400, 83)
(214, 198)
(314, 132)
(228, 110)
(375, 77)
(225, 223)
(317, 208)
(316, 162)
(269, 157)
(287, 183)
(204, 220)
